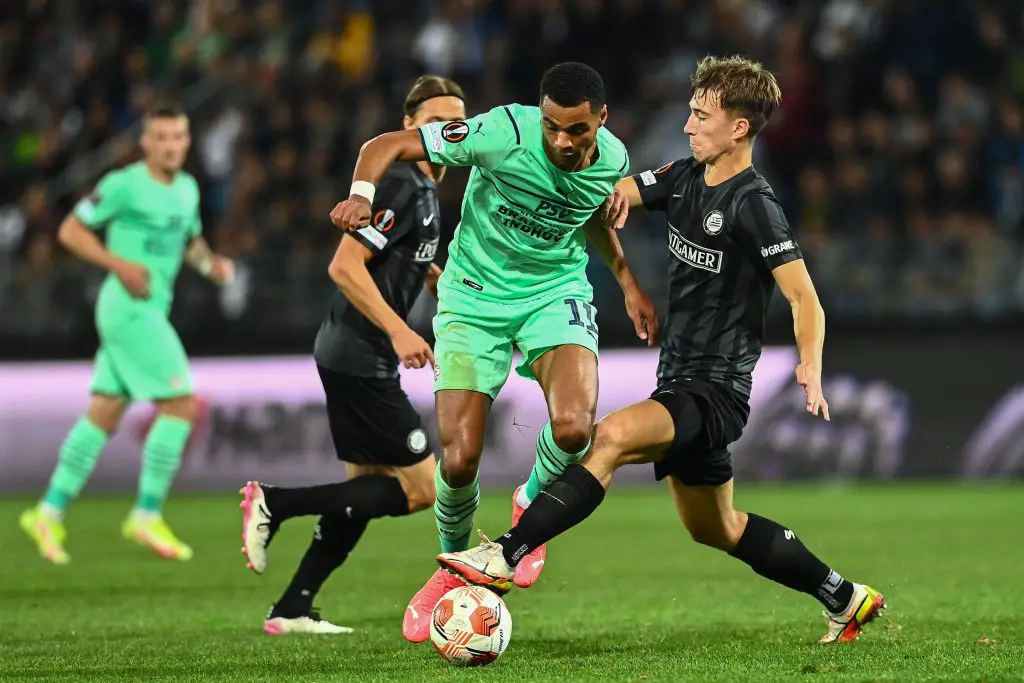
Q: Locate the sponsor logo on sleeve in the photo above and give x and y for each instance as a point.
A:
(432, 133)
(374, 236)
(779, 248)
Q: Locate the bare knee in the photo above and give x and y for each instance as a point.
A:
(722, 532)
(419, 491)
(461, 426)
(460, 462)
(105, 411)
(571, 431)
(183, 407)
(461, 451)
(607, 453)
(610, 444)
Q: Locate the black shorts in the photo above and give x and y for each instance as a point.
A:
(708, 417)
(372, 421)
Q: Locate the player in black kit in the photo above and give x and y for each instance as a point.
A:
(729, 245)
(380, 270)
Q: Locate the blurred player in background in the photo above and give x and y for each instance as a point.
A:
(516, 277)
(150, 210)
(730, 245)
(380, 270)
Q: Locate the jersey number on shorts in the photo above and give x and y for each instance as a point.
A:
(574, 308)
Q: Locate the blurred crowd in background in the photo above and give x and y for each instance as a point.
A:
(898, 152)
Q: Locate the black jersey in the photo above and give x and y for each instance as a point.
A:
(403, 234)
(723, 241)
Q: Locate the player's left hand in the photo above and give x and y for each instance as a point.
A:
(641, 311)
(223, 271)
(809, 377)
(615, 209)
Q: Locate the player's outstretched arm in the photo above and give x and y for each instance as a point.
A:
(375, 158)
(348, 271)
(200, 256)
(84, 243)
(638, 306)
(808, 327)
(616, 208)
(484, 141)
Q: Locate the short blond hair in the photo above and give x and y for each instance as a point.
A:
(742, 87)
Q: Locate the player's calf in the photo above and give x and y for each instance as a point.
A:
(161, 457)
(454, 509)
(776, 553)
(78, 456)
(721, 532)
(334, 538)
(419, 490)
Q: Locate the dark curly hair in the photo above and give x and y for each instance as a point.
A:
(570, 84)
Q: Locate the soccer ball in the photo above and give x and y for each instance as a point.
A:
(470, 626)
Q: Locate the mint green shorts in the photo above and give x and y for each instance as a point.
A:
(141, 358)
(476, 338)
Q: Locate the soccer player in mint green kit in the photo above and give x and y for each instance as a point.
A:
(515, 278)
(150, 211)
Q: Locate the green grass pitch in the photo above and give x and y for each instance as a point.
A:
(625, 597)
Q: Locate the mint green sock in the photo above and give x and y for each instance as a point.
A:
(550, 463)
(78, 455)
(453, 511)
(161, 456)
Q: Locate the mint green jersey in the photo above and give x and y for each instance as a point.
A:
(147, 222)
(520, 233)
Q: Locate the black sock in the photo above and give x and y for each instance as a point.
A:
(366, 497)
(333, 540)
(777, 554)
(566, 502)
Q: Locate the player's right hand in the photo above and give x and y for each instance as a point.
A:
(351, 214)
(135, 279)
(615, 209)
(809, 377)
(412, 349)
